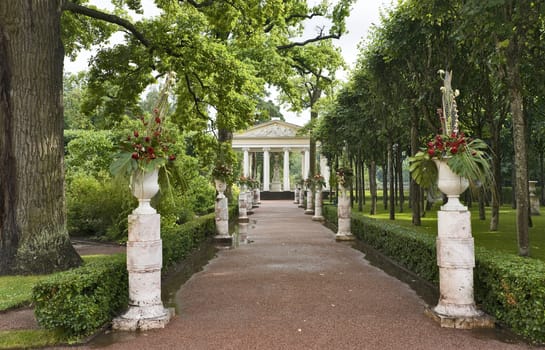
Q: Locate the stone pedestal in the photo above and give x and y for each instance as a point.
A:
(344, 211)
(249, 202)
(242, 203)
(296, 196)
(310, 202)
(301, 198)
(455, 258)
(534, 199)
(318, 206)
(222, 213)
(257, 197)
(276, 186)
(144, 262)
(243, 232)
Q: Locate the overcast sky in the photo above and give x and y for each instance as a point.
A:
(364, 13)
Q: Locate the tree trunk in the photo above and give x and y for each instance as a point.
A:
(33, 236)
(541, 179)
(400, 187)
(361, 184)
(391, 175)
(385, 185)
(373, 186)
(482, 199)
(496, 169)
(519, 140)
(414, 189)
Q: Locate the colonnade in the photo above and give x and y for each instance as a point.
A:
(276, 184)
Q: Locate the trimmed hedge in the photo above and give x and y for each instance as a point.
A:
(506, 286)
(80, 301)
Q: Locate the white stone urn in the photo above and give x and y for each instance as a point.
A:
(301, 197)
(145, 185)
(221, 211)
(221, 186)
(451, 184)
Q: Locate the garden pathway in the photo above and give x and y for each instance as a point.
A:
(294, 287)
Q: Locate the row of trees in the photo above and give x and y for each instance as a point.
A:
(224, 54)
(388, 108)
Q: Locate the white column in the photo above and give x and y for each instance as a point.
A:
(266, 170)
(287, 169)
(246, 163)
(324, 170)
(307, 163)
(303, 171)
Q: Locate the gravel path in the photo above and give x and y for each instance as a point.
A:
(294, 287)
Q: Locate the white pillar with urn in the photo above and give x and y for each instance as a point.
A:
(344, 213)
(221, 212)
(144, 260)
(455, 257)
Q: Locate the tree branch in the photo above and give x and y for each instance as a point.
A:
(199, 5)
(319, 37)
(82, 10)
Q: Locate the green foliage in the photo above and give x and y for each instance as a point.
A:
(512, 289)
(79, 301)
(98, 207)
(89, 152)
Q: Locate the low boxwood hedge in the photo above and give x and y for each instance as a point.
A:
(80, 301)
(506, 286)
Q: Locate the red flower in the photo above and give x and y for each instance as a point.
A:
(172, 157)
(150, 150)
(431, 152)
(147, 139)
(158, 120)
(454, 150)
(136, 133)
(134, 155)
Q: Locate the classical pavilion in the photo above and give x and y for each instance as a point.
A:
(267, 149)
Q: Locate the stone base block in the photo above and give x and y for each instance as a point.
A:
(318, 218)
(133, 320)
(481, 320)
(344, 237)
(223, 239)
(309, 212)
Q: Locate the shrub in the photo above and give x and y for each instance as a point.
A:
(508, 287)
(81, 300)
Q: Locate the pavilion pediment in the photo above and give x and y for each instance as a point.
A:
(272, 129)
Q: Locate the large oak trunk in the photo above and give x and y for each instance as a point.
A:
(33, 236)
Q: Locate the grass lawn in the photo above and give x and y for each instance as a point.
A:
(25, 339)
(504, 240)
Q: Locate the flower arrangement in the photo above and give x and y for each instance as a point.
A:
(244, 181)
(319, 181)
(344, 177)
(144, 149)
(148, 147)
(222, 172)
(467, 157)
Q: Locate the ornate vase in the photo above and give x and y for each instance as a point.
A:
(221, 186)
(451, 184)
(145, 185)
